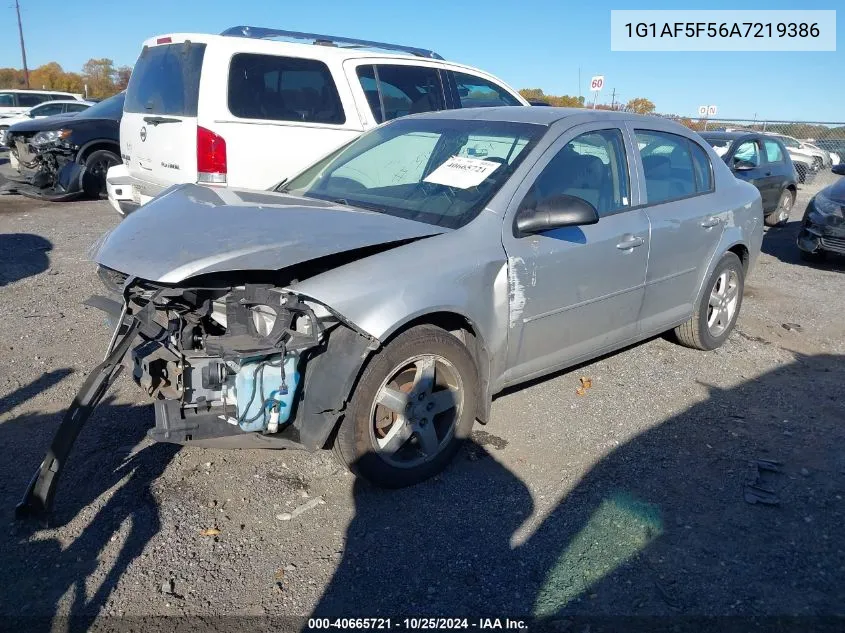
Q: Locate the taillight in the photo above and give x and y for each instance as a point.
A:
(164, 40)
(211, 157)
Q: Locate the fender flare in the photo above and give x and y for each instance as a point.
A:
(98, 141)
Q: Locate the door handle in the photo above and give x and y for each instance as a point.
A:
(768, 173)
(630, 243)
(710, 222)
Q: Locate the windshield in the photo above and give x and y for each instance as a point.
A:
(720, 145)
(438, 171)
(111, 108)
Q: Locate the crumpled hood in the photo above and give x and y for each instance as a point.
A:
(192, 230)
(835, 192)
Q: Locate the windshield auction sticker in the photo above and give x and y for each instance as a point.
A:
(462, 172)
(696, 30)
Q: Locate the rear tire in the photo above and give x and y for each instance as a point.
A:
(780, 216)
(718, 307)
(404, 424)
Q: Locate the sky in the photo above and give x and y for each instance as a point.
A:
(529, 44)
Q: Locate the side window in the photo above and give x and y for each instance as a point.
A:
(774, 154)
(29, 100)
(703, 169)
(75, 107)
(476, 92)
(667, 166)
(748, 151)
(48, 109)
(592, 167)
(395, 91)
(283, 89)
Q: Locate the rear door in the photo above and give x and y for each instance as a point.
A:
(158, 132)
(750, 151)
(391, 88)
(687, 221)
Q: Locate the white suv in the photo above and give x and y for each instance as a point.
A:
(249, 107)
(17, 102)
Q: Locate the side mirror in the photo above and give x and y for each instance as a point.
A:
(556, 212)
(838, 169)
(743, 165)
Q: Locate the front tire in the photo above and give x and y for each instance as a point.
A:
(718, 307)
(93, 177)
(780, 216)
(415, 403)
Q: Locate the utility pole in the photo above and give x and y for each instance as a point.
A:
(613, 100)
(23, 48)
(579, 83)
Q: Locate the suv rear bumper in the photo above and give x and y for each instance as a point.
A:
(127, 193)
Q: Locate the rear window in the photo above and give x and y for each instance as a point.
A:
(111, 108)
(7, 99)
(277, 88)
(166, 80)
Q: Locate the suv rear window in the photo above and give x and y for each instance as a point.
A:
(283, 89)
(166, 80)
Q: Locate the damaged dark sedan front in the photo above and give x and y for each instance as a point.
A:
(64, 157)
(823, 225)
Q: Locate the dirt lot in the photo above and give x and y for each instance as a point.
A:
(629, 500)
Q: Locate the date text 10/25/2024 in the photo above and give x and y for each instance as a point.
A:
(412, 624)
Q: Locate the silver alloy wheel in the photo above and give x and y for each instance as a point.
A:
(415, 410)
(785, 206)
(724, 298)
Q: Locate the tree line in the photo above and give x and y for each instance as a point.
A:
(101, 76)
(640, 105)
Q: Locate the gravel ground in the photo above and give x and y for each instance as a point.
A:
(629, 500)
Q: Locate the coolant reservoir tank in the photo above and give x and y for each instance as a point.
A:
(261, 397)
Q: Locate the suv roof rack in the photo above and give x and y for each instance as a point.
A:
(325, 40)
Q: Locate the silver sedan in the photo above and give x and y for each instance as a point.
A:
(376, 302)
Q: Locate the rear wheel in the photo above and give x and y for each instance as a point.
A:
(780, 215)
(718, 307)
(414, 404)
(97, 164)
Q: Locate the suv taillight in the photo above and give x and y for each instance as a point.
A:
(211, 157)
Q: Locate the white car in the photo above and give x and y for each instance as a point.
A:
(250, 107)
(48, 108)
(14, 103)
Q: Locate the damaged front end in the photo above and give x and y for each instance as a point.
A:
(228, 366)
(823, 225)
(47, 162)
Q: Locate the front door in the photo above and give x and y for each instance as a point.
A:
(576, 291)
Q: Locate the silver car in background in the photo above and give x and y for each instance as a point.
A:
(376, 302)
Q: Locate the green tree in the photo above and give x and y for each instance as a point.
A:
(99, 75)
(640, 105)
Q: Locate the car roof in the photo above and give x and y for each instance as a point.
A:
(41, 92)
(533, 114)
(73, 101)
(728, 136)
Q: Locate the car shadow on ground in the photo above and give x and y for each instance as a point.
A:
(730, 508)
(779, 242)
(22, 255)
(39, 569)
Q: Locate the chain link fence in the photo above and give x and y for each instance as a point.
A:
(814, 146)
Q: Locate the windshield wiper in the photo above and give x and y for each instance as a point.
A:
(155, 120)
